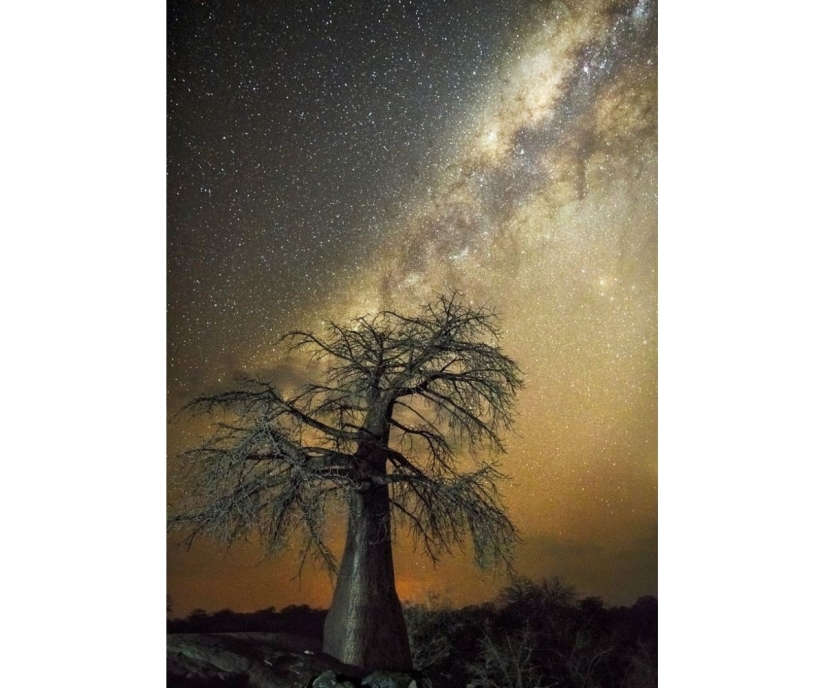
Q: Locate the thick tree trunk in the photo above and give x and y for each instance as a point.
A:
(365, 625)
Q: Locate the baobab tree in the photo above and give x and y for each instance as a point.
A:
(401, 428)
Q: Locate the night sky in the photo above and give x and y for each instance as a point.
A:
(329, 159)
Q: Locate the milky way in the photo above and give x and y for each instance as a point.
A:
(326, 162)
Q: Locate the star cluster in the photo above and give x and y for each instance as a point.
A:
(329, 159)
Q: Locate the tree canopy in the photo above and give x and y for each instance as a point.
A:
(275, 464)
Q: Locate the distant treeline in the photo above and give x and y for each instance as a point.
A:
(296, 619)
(536, 633)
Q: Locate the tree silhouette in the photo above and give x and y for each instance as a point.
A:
(398, 430)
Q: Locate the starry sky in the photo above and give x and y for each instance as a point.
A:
(328, 159)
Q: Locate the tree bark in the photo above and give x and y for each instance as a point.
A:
(365, 625)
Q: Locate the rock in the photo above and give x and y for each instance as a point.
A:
(326, 680)
(249, 660)
(329, 680)
(389, 679)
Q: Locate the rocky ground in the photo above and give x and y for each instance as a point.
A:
(262, 660)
